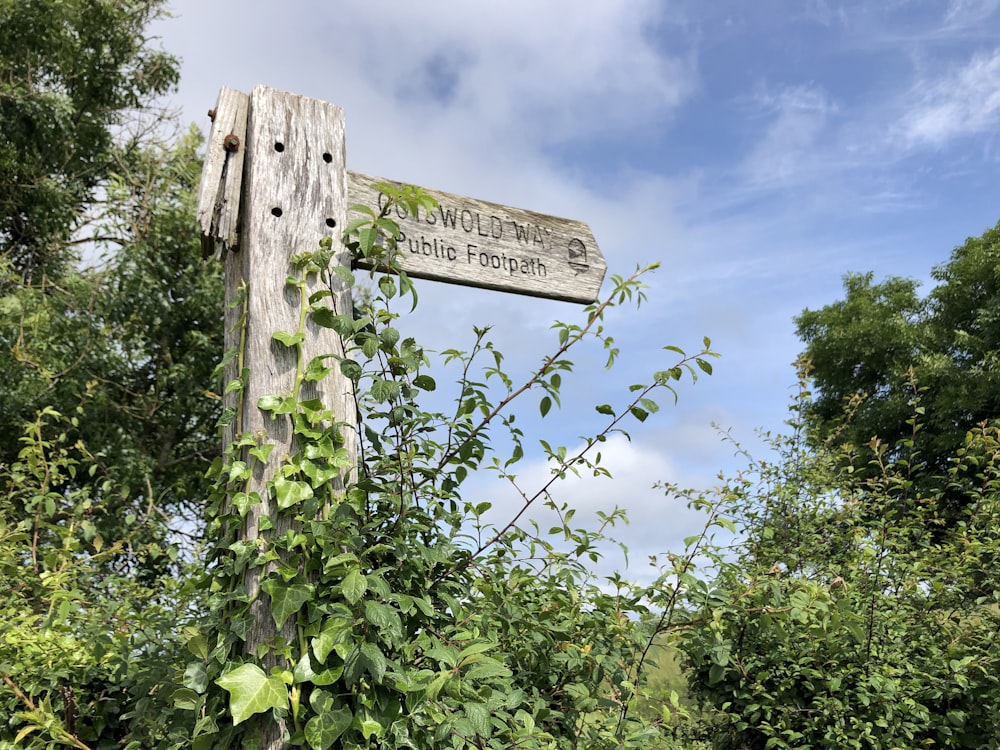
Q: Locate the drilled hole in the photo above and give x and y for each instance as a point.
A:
(328, 157)
(331, 223)
(276, 211)
(279, 146)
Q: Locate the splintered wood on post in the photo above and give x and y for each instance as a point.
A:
(488, 245)
(218, 208)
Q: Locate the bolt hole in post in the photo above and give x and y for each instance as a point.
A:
(279, 146)
(276, 211)
(327, 157)
(331, 223)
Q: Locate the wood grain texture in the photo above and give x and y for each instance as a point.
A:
(294, 189)
(220, 189)
(492, 246)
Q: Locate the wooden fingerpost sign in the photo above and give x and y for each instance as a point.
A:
(274, 183)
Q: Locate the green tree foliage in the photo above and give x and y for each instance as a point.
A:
(134, 343)
(71, 74)
(87, 651)
(866, 350)
(850, 618)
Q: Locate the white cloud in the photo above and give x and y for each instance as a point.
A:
(958, 103)
(791, 144)
(557, 70)
(658, 521)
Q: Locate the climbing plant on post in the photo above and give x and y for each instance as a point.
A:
(358, 599)
(294, 192)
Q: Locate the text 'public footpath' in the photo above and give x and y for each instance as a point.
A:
(488, 227)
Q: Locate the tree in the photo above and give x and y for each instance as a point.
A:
(70, 74)
(134, 342)
(848, 618)
(867, 350)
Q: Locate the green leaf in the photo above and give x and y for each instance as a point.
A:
(195, 677)
(335, 630)
(388, 338)
(639, 413)
(384, 390)
(487, 668)
(186, 699)
(304, 672)
(375, 661)
(325, 728)
(605, 409)
(424, 382)
(262, 452)
(286, 599)
(545, 405)
(289, 492)
(322, 315)
(276, 404)
(385, 619)
(353, 586)
(288, 339)
(316, 369)
(351, 370)
(479, 717)
(252, 692)
(435, 687)
(371, 728)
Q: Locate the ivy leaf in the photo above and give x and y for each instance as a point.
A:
(371, 728)
(195, 677)
(322, 315)
(316, 370)
(252, 692)
(276, 404)
(324, 729)
(291, 492)
(304, 672)
(286, 599)
(335, 630)
(353, 586)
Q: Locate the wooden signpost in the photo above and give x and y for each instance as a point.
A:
(471, 242)
(273, 184)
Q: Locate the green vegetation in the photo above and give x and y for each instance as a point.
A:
(867, 350)
(854, 615)
(857, 607)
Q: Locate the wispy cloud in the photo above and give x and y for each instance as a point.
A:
(798, 117)
(960, 102)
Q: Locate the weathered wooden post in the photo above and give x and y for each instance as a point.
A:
(264, 198)
(274, 183)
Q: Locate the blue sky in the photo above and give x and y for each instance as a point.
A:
(757, 150)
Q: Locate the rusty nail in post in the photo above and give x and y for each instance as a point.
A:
(211, 115)
(231, 143)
